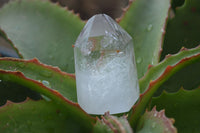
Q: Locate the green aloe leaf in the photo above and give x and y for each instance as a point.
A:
(154, 72)
(159, 74)
(155, 122)
(42, 29)
(42, 117)
(18, 78)
(183, 106)
(101, 127)
(112, 124)
(182, 31)
(188, 78)
(183, 28)
(145, 22)
(49, 76)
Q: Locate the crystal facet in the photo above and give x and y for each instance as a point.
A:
(106, 76)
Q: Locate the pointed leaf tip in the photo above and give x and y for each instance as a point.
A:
(183, 106)
(156, 122)
(159, 74)
(110, 124)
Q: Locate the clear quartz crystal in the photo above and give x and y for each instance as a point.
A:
(106, 76)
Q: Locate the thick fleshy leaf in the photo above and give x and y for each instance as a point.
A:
(155, 122)
(18, 78)
(41, 117)
(49, 76)
(145, 22)
(154, 72)
(112, 124)
(188, 78)
(183, 28)
(183, 106)
(159, 74)
(42, 29)
(101, 127)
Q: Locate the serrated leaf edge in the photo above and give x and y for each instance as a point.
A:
(118, 20)
(163, 30)
(37, 62)
(144, 99)
(67, 9)
(167, 57)
(53, 94)
(168, 122)
(8, 102)
(50, 3)
(37, 83)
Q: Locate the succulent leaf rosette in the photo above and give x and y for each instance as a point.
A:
(37, 81)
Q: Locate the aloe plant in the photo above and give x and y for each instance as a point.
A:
(37, 84)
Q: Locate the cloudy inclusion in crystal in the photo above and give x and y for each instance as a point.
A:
(106, 76)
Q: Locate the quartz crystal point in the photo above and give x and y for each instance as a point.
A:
(106, 76)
